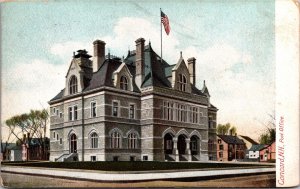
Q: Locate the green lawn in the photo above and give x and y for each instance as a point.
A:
(131, 166)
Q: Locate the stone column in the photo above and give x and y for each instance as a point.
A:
(175, 150)
(188, 149)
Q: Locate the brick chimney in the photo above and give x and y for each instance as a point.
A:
(99, 54)
(192, 70)
(139, 61)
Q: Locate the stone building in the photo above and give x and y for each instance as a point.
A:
(131, 109)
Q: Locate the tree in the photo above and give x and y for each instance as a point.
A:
(226, 129)
(29, 125)
(269, 135)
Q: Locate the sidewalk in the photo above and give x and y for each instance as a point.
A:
(125, 177)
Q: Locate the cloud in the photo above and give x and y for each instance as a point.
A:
(65, 50)
(30, 85)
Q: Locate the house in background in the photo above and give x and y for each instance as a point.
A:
(268, 153)
(230, 147)
(254, 151)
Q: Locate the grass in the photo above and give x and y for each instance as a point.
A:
(132, 166)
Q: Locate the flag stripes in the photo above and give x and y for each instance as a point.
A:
(165, 22)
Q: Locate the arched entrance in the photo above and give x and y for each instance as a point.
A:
(181, 144)
(73, 143)
(194, 145)
(168, 143)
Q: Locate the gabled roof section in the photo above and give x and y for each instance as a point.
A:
(123, 65)
(249, 139)
(205, 89)
(257, 147)
(229, 139)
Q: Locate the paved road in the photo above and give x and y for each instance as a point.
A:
(20, 181)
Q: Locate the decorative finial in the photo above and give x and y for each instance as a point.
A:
(204, 82)
(181, 54)
(123, 58)
(149, 42)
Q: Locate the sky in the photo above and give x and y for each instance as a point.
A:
(233, 43)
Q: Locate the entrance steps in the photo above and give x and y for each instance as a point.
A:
(169, 157)
(67, 157)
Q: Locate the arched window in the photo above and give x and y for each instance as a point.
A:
(73, 143)
(115, 140)
(73, 87)
(94, 140)
(182, 82)
(132, 141)
(124, 83)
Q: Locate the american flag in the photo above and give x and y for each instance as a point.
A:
(165, 21)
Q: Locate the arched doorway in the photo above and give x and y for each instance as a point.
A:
(194, 145)
(181, 144)
(73, 143)
(168, 143)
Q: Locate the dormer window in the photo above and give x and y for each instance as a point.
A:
(73, 86)
(124, 83)
(182, 82)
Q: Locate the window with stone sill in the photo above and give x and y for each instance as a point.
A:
(115, 140)
(115, 109)
(168, 110)
(94, 140)
(73, 113)
(73, 85)
(132, 141)
(123, 83)
(93, 109)
(131, 111)
(182, 82)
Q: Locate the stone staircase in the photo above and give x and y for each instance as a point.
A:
(67, 157)
(169, 157)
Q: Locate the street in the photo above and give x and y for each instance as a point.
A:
(21, 181)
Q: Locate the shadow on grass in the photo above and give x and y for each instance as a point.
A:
(132, 166)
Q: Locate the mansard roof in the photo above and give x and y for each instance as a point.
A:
(156, 72)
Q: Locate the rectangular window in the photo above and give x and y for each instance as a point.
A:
(93, 158)
(54, 110)
(116, 158)
(60, 114)
(178, 112)
(131, 111)
(60, 141)
(57, 112)
(221, 147)
(54, 135)
(70, 113)
(221, 154)
(93, 109)
(145, 158)
(219, 141)
(75, 113)
(115, 108)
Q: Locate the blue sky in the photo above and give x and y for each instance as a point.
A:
(233, 43)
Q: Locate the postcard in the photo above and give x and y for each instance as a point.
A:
(150, 93)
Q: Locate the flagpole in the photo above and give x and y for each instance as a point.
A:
(160, 38)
